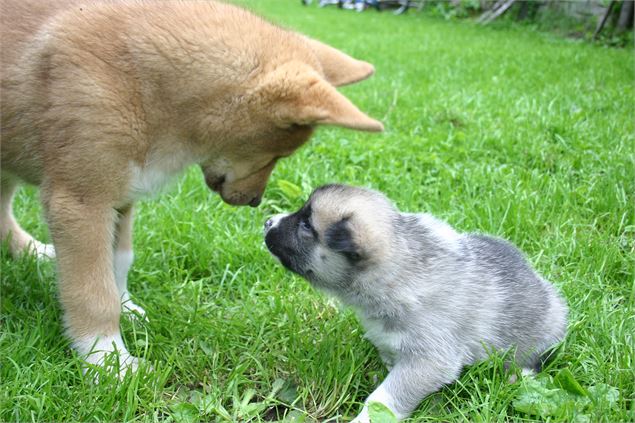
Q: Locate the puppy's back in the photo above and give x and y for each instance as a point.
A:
(530, 313)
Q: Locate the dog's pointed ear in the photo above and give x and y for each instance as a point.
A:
(295, 94)
(340, 68)
(323, 104)
(339, 238)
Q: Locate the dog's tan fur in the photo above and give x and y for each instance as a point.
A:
(102, 102)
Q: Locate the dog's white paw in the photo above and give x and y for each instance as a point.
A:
(118, 362)
(107, 352)
(525, 373)
(132, 310)
(384, 400)
(42, 251)
(362, 417)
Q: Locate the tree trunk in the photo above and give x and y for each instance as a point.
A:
(523, 12)
(602, 22)
(498, 12)
(625, 21)
(490, 11)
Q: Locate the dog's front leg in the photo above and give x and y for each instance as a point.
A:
(410, 380)
(123, 258)
(82, 230)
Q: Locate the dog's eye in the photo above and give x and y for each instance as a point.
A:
(305, 225)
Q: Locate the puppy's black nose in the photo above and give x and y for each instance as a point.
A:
(255, 202)
(268, 223)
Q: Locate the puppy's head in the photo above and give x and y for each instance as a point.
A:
(339, 232)
(241, 171)
(276, 114)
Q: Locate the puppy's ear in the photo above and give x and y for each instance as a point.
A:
(295, 94)
(340, 68)
(339, 238)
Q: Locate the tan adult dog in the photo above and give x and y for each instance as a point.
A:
(103, 102)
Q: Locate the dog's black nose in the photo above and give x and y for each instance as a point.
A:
(255, 202)
(268, 223)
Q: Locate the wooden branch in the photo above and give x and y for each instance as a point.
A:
(502, 9)
(491, 10)
(604, 19)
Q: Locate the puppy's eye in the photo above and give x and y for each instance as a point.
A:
(353, 256)
(305, 225)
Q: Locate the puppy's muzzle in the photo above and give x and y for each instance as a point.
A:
(255, 202)
(216, 184)
(272, 222)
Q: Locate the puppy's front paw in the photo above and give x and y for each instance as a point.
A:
(116, 362)
(525, 373)
(378, 410)
(42, 251)
(363, 417)
(132, 310)
(107, 352)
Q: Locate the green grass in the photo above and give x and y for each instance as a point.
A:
(514, 133)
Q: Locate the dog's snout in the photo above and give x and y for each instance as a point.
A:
(215, 182)
(272, 222)
(255, 202)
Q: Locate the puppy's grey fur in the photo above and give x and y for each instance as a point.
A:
(431, 299)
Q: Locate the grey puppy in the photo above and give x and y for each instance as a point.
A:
(432, 300)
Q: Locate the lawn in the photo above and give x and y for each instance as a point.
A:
(495, 129)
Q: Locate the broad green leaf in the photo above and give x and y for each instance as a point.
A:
(379, 413)
(205, 347)
(536, 399)
(561, 399)
(565, 380)
(295, 416)
(288, 393)
(291, 190)
(184, 412)
(277, 385)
